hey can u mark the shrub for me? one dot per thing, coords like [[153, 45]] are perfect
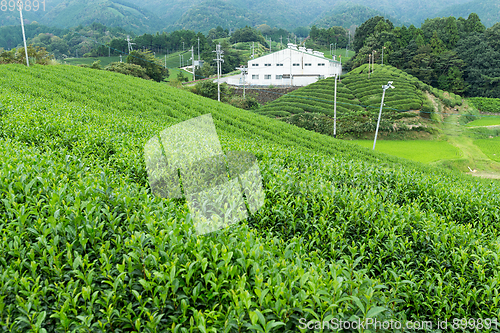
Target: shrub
[[208, 88], [154, 67], [247, 103], [127, 69], [36, 55]]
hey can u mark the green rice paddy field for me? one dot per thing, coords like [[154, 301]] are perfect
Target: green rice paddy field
[[485, 121], [490, 147], [416, 150]]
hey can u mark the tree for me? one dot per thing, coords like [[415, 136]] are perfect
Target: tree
[[483, 66], [366, 29], [208, 88], [154, 68], [36, 55], [493, 37], [456, 82], [127, 69], [451, 31], [437, 44], [419, 40], [247, 34], [473, 24]]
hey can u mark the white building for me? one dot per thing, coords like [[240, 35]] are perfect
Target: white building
[[291, 67]]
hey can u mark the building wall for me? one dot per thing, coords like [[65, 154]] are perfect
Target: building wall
[[290, 67]]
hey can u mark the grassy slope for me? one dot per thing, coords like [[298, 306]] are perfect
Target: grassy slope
[[344, 231], [416, 150]]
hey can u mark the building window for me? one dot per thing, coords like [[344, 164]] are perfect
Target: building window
[[279, 64], [267, 65], [255, 77], [321, 64], [279, 77], [255, 65], [296, 64], [307, 64], [267, 77]]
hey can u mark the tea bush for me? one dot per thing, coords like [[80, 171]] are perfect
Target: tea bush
[[345, 232]]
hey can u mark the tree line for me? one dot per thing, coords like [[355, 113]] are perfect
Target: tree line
[[457, 55]]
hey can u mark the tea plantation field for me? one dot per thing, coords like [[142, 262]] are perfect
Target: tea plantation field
[[359, 94], [345, 233]]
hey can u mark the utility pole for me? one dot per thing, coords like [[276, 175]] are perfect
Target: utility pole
[[244, 71], [335, 109], [369, 64], [121, 58], [219, 59], [389, 85], [182, 46], [198, 49], [20, 7], [192, 63], [349, 43], [129, 42], [373, 60]]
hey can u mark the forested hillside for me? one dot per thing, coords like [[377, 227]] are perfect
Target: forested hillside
[[202, 15], [349, 14], [457, 55], [487, 10]]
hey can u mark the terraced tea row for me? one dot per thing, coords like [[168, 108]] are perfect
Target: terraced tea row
[[344, 233]]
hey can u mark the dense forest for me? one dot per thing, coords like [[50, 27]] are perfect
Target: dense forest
[[457, 55]]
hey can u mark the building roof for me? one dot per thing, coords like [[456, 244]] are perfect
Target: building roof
[[304, 51]]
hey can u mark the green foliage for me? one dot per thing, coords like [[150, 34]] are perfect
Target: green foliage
[[490, 147], [96, 65], [365, 30], [483, 104], [208, 89], [247, 34], [127, 69], [325, 37], [11, 36], [247, 103], [358, 103], [36, 55], [345, 232], [181, 77], [153, 66], [347, 14], [451, 54]]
